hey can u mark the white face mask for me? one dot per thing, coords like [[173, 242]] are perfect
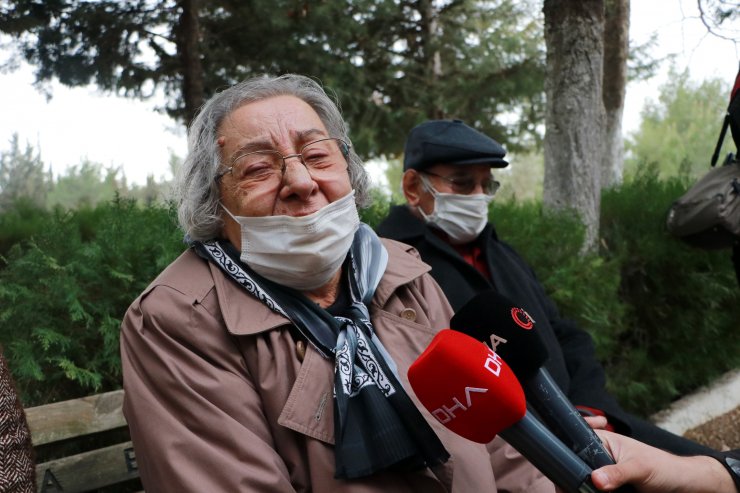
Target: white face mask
[[462, 217], [300, 252]]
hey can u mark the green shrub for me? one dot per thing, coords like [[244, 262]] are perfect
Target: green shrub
[[683, 303], [376, 212], [20, 221], [65, 290]]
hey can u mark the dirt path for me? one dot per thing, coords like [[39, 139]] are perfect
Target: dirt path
[[721, 433]]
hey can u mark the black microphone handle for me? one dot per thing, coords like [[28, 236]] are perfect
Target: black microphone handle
[[564, 420], [548, 454]]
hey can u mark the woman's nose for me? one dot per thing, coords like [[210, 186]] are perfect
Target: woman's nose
[[296, 178]]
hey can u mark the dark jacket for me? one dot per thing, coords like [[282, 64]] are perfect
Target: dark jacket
[[572, 361]]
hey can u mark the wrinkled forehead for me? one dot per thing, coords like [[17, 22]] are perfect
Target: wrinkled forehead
[[270, 114], [282, 123], [279, 120]]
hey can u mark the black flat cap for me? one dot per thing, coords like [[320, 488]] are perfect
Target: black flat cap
[[450, 142]]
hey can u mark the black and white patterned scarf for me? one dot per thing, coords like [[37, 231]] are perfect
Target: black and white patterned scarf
[[376, 424]]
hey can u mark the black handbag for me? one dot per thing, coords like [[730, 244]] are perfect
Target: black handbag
[[708, 214]]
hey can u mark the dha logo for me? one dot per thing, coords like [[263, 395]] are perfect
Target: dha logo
[[521, 318], [445, 414], [493, 363], [496, 340]]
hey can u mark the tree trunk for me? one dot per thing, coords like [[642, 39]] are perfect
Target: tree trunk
[[188, 46], [616, 49], [432, 57], [574, 118]]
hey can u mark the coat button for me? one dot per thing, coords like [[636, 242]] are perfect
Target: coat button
[[300, 350], [409, 314]]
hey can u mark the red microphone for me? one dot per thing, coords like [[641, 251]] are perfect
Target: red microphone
[[472, 391], [463, 404]]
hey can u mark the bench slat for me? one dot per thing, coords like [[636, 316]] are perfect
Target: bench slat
[[68, 419], [88, 470]]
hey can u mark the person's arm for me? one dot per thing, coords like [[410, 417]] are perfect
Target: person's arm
[[195, 416], [587, 389], [652, 470]]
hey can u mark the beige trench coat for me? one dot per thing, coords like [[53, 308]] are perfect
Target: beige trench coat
[[220, 399]]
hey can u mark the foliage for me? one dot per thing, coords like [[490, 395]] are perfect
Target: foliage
[[19, 221], [522, 180], [86, 184], [682, 303], [392, 63], [678, 132], [24, 183], [393, 173], [64, 290], [641, 63], [22, 176], [714, 13], [377, 211], [120, 46]]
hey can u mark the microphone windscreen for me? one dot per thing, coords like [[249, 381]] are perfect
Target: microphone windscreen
[[494, 319], [467, 387]]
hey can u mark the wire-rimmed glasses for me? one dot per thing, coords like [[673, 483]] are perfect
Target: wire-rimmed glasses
[[465, 185], [322, 158]]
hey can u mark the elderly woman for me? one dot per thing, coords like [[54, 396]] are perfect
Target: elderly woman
[[271, 356]]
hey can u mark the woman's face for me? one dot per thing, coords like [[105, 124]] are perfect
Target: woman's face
[[284, 124]]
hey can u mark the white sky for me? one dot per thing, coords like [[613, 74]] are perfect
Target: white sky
[[82, 122], [680, 32]]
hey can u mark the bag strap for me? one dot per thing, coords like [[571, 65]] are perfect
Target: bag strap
[[722, 133], [734, 94]]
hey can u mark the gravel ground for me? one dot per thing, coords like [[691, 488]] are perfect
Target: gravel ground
[[721, 433]]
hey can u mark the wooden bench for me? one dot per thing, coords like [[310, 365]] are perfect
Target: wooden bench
[[62, 424]]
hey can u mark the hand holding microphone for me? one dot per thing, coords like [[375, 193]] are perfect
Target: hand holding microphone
[[471, 390]]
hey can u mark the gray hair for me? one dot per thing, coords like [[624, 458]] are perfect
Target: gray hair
[[196, 190]]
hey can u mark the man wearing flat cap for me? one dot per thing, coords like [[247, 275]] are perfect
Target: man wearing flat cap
[[448, 186]]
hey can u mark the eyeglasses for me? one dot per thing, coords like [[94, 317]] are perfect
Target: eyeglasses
[[322, 158], [465, 185]]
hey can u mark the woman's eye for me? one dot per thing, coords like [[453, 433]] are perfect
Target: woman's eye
[[315, 157], [255, 165], [256, 172]]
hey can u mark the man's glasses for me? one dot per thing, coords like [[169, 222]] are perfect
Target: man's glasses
[[322, 158], [465, 185]]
